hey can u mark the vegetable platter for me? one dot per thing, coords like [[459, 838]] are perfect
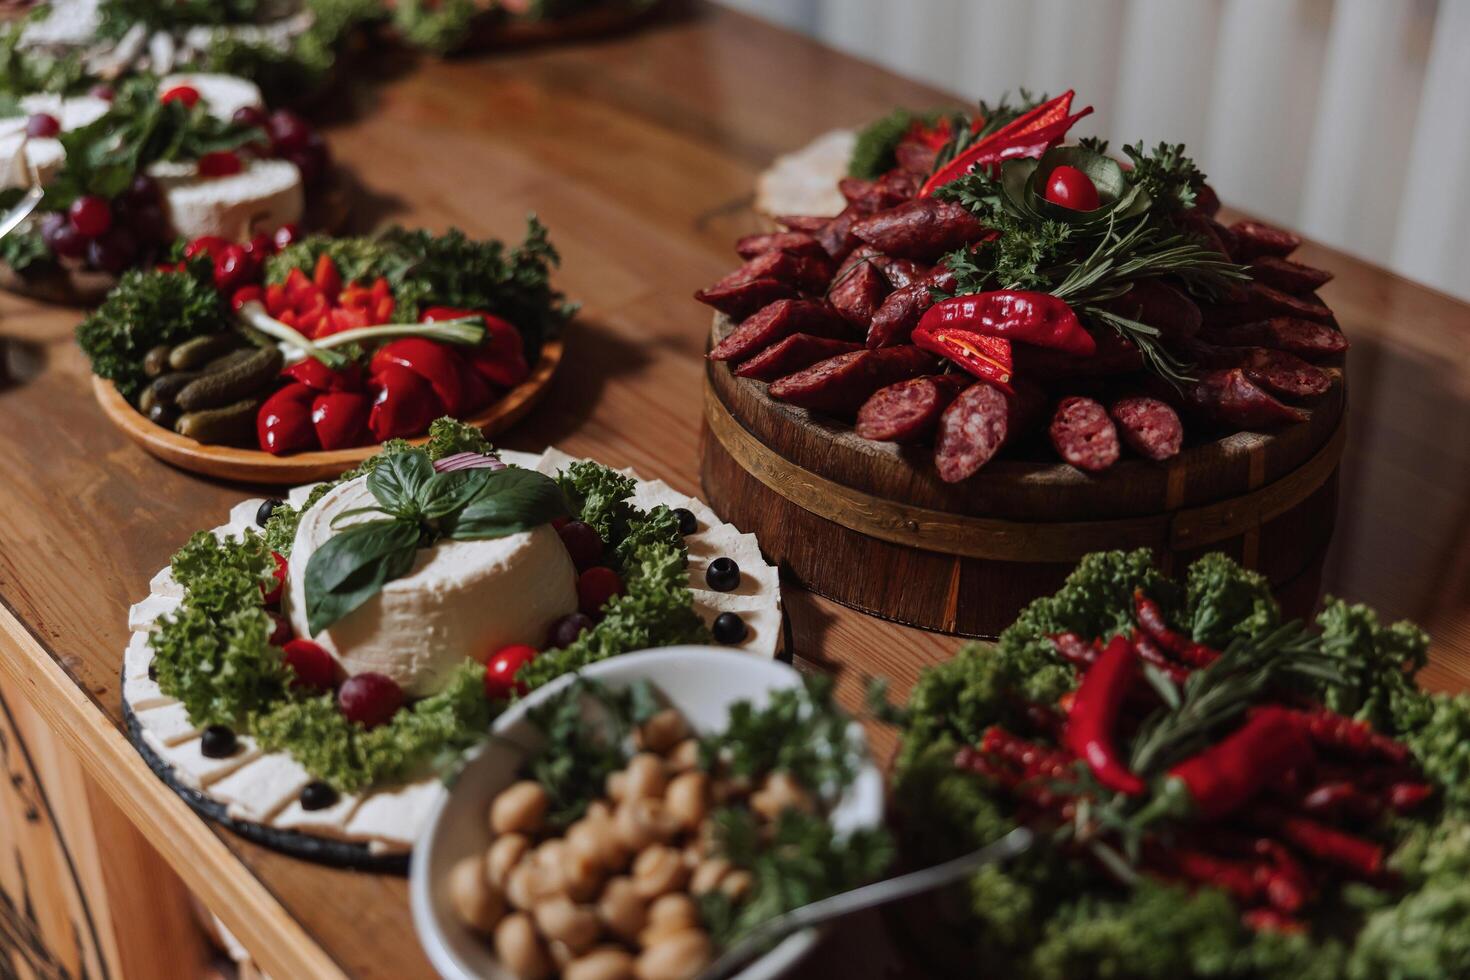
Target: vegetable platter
[[291, 360], [1222, 792], [309, 671], [1005, 352]]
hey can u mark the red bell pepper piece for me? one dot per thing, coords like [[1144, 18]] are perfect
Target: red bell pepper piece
[[1230, 773], [1093, 720], [986, 357], [477, 392], [1027, 135], [276, 300], [299, 288], [283, 424], [340, 418], [404, 406], [317, 376], [326, 277], [501, 358], [429, 360], [1039, 319]]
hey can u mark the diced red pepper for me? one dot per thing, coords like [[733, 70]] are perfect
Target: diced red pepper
[[283, 424], [340, 418], [988, 358], [298, 287], [276, 300], [404, 406], [429, 360], [1016, 315], [477, 392]]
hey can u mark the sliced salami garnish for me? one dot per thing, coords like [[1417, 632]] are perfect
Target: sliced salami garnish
[[1225, 396], [840, 385], [1295, 336], [792, 354], [780, 241], [977, 424], [924, 229], [1256, 238], [908, 411], [1083, 434], [776, 321], [1288, 276], [1148, 426]]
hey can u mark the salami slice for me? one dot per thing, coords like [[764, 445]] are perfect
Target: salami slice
[[901, 272], [1288, 276], [924, 229], [977, 424], [1149, 427], [1285, 374], [780, 241], [836, 235], [908, 411], [840, 385], [800, 350], [1256, 238], [1206, 200], [776, 321], [1300, 337], [1083, 434], [765, 279], [741, 299], [857, 292], [1225, 396]]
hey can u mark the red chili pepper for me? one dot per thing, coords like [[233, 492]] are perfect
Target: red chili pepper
[[1271, 920], [987, 358], [1078, 652], [1408, 797], [1028, 135], [1349, 736], [283, 424], [1237, 878], [1039, 319], [404, 406], [1229, 774], [340, 418], [1281, 875], [1339, 798], [1094, 717], [272, 595], [431, 361], [1355, 854], [1151, 618], [326, 277], [1149, 653], [1034, 760], [317, 376]]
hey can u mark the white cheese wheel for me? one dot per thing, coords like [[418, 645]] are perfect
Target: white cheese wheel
[[265, 194], [805, 181], [461, 599]]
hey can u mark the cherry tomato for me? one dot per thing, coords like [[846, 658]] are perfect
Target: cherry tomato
[[273, 594], [91, 215], [1071, 188], [501, 670], [233, 268], [369, 699], [595, 586], [312, 664], [280, 630]]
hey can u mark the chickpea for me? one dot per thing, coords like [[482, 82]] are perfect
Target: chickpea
[[685, 756], [520, 949], [693, 855], [663, 731], [529, 882], [621, 909], [597, 840], [686, 799], [617, 785], [780, 792], [673, 911], [479, 904], [641, 822], [709, 874], [562, 920], [561, 953], [730, 788], [658, 871], [737, 884], [646, 776], [581, 874], [678, 956], [603, 963], [598, 810], [503, 856], [519, 808]]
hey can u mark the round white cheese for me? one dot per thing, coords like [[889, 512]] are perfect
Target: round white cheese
[[265, 194], [461, 599], [805, 181]]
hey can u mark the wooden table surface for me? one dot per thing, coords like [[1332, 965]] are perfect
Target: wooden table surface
[[639, 152]]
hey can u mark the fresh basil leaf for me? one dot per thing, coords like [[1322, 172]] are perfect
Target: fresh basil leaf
[[397, 481], [352, 567], [444, 493], [510, 501]]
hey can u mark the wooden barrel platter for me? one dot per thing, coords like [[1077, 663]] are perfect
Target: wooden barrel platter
[[872, 526]]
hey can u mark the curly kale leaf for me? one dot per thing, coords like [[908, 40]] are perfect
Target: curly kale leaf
[[1422, 937], [1224, 600], [1377, 663], [872, 153], [1441, 743], [600, 496], [1169, 177], [146, 309], [954, 702], [439, 27]]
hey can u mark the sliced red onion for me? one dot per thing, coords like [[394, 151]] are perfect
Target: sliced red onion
[[468, 461]]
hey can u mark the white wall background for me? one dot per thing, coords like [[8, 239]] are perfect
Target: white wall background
[[1346, 119]]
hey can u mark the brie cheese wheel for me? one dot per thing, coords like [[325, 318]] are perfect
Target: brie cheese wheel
[[461, 598], [264, 194], [805, 182]]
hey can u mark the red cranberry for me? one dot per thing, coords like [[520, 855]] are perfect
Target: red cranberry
[[278, 574], [61, 237], [187, 94], [288, 131], [221, 163], [287, 234], [501, 670], [280, 629], [103, 92], [583, 543], [595, 586], [42, 125], [249, 115], [113, 250], [143, 190], [91, 215], [313, 666], [564, 631], [369, 699]]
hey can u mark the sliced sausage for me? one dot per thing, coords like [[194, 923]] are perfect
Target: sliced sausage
[[1261, 302], [1225, 396], [977, 424], [1300, 337], [1256, 238], [915, 157], [836, 235], [1083, 434], [857, 292], [809, 223], [901, 272], [1285, 374], [1206, 200], [1149, 427], [779, 241], [902, 310], [840, 385], [741, 299], [800, 350], [776, 321], [908, 411], [767, 278], [1205, 228], [1288, 276], [1160, 305], [924, 229]]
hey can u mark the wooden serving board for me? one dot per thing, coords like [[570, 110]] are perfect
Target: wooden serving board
[[257, 466], [871, 525]]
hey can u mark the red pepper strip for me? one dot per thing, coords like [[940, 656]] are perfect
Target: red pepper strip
[[1407, 797], [1046, 114], [1078, 652], [1149, 653], [1349, 736], [1229, 774], [316, 375], [1094, 716], [1033, 318], [501, 359], [340, 417], [1270, 920], [987, 358], [1034, 760], [1151, 618], [1355, 854]]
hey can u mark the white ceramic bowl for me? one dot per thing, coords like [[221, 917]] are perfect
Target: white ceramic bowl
[[702, 682]]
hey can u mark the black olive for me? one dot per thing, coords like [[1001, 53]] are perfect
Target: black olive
[[152, 671], [564, 631], [164, 415], [688, 523], [218, 742], [723, 575], [266, 510], [729, 628], [317, 796]]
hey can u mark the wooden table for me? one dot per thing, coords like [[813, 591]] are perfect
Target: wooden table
[[639, 153]]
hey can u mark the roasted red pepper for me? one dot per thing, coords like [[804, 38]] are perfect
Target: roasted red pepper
[[1093, 721], [405, 404], [434, 362], [340, 418], [501, 358], [987, 358], [1039, 319], [1227, 775], [1151, 618], [1026, 136], [317, 376], [283, 424]]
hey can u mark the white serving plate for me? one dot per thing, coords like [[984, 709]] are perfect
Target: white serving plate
[[702, 682]]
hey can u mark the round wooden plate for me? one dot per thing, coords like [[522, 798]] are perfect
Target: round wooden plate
[[257, 466]]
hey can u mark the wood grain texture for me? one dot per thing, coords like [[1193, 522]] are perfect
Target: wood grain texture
[[640, 153], [258, 466]]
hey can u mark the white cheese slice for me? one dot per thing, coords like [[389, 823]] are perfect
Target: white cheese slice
[[805, 181], [757, 579], [142, 693], [264, 787], [19, 153], [512, 457], [224, 95], [137, 656], [196, 770], [553, 461], [327, 822], [762, 619], [144, 615], [264, 194], [298, 495], [165, 584], [169, 724], [396, 816]]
